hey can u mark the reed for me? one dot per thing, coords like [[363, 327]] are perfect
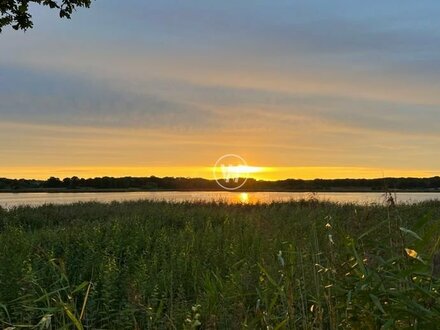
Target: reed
[[147, 265]]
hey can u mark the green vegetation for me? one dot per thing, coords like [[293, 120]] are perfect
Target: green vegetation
[[140, 265], [16, 13], [172, 183]]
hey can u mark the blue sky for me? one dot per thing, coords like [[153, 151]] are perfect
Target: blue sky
[[295, 84]]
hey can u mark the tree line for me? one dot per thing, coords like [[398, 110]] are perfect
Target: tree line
[[173, 183]]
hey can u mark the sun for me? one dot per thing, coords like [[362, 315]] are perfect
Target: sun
[[245, 169], [238, 169]]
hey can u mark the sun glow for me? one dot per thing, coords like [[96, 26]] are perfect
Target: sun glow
[[254, 172], [244, 198], [244, 169], [238, 171]]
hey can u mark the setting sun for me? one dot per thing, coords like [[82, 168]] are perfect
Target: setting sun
[[239, 169]]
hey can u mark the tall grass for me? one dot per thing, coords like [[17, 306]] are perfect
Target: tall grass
[[148, 265]]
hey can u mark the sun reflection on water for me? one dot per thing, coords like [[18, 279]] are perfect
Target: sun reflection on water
[[244, 198]]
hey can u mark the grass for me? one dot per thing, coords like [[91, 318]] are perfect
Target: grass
[[154, 265]]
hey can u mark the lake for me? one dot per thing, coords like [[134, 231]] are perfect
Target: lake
[[8, 200]]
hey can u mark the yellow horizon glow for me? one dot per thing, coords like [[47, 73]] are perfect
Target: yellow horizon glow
[[245, 169], [238, 171], [256, 172]]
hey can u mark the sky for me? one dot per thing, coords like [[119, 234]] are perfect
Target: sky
[[304, 89]]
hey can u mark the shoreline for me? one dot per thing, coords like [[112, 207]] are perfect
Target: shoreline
[[79, 191]]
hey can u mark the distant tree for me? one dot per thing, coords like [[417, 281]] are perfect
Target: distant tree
[[66, 183], [16, 12], [53, 182], [74, 182]]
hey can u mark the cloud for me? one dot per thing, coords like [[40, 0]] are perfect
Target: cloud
[[294, 83], [48, 97]]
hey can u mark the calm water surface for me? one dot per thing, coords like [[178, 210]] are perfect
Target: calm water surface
[[8, 200]]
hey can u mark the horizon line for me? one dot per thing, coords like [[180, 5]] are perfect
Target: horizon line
[[266, 173], [212, 179]]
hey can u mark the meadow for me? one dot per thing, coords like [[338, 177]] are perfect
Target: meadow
[[157, 265]]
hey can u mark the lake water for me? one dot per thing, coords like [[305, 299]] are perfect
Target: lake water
[[8, 200]]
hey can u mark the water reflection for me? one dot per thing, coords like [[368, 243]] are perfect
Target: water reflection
[[244, 198], [34, 199]]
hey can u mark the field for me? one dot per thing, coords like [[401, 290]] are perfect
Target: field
[[154, 265]]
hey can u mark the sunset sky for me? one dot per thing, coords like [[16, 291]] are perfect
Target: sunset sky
[[303, 88]]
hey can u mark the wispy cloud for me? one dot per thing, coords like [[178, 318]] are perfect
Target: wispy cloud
[[284, 83]]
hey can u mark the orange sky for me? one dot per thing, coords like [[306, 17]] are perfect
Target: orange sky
[[349, 90], [266, 173]]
